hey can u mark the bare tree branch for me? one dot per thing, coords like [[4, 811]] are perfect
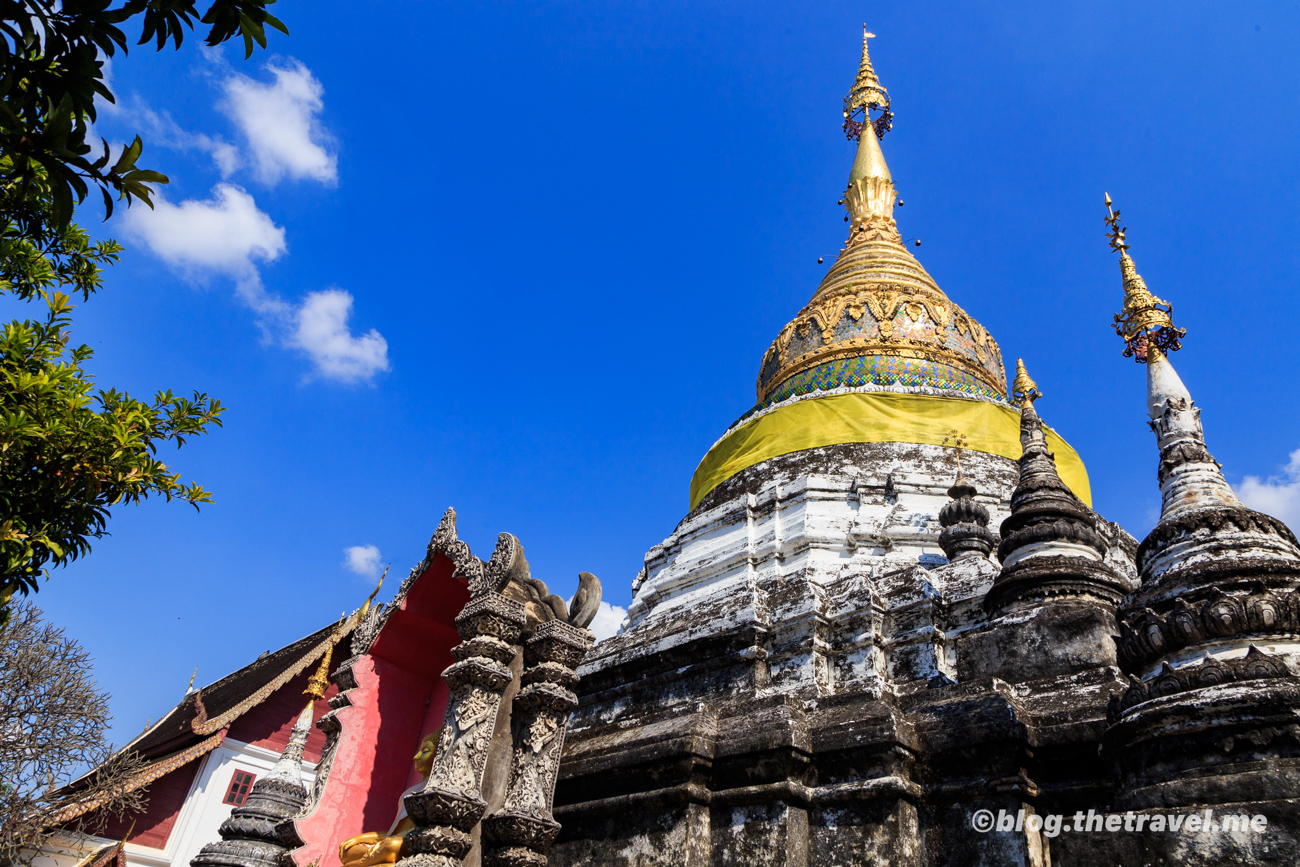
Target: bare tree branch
[[52, 724]]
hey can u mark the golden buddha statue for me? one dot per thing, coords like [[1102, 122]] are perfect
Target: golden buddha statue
[[372, 848]]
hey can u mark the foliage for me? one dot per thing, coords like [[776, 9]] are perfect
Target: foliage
[[51, 74], [62, 258], [68, 451], [52, 724]]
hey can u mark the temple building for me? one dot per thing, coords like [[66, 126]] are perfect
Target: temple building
[[890, 629], [205, 754]]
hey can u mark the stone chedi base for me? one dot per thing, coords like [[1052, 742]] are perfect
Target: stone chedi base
[[812, 715]]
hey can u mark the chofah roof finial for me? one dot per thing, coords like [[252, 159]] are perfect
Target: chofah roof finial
[[866, 94], [365, 608], [1146, 322]]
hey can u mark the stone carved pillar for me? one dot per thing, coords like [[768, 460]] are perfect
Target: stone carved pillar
[[520, 832], [451, 803]]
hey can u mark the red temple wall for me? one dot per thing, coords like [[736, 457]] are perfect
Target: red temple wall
[[400, 697], [432, 721], [166, 798], [270, 723]]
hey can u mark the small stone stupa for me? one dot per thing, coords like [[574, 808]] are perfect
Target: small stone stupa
[[249, 838]]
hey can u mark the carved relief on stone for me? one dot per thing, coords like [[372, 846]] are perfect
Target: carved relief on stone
[[451, 803], [1147, 636], [506, 603], [1211, 671], [521, 831]]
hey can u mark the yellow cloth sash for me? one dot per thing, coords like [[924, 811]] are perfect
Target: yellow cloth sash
[[878, 417]]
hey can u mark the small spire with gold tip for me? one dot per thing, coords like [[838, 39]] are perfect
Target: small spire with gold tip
[[1146, 322], [866, 94], [869, 197], [1024, 391], [319, 681]]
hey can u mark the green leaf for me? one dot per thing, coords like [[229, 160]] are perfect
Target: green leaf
[[129, 155]]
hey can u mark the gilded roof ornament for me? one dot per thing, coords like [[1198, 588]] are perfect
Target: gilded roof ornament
[[365, 608], [1146, 322], [319, 681], [1024, 391], [866, 94]]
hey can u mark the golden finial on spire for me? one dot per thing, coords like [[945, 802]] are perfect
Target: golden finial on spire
[[1024, 391], [870, 195], [319, 681], [866, 94], [1117, 242], [189, 688], [1146, 323]]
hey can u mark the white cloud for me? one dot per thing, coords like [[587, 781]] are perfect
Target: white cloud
[[279, 121], [223, 234], [608, 620], [228, 234], [160, 129], [321, 330], [1278, 495], [362, 559]]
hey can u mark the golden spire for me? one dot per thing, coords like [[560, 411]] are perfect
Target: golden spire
[[1024, 391], [320, 678], [866, 94], [190, 688], [870, 159], [1146, 322], [319, 681]]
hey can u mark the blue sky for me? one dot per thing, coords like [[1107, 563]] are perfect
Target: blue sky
[[524, 258]]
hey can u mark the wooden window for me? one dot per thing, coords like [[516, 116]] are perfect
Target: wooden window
[[240, 783]]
